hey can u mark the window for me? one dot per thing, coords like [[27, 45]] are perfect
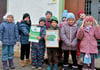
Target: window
[[88, 7]]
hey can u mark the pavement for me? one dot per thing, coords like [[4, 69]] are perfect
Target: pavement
[[29, 67]]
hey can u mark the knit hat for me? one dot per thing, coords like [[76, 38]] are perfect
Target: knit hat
[[53, 18], [65, 13], [7, 14], [42, 19], [89, 18], [26, 15], [48, 12], [80, 12], [70, 15]]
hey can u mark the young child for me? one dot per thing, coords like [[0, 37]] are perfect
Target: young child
[[48, 15], [8, 37], [88, 33], [53, 52], [68, 36], [37, 49], [24, 29], [63, 19], [81, 15], [62, 22]]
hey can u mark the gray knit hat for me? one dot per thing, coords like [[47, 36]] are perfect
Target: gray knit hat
[[42, 19]]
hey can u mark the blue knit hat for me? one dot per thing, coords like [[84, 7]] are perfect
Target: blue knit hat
[[65, 13], [70, 15]]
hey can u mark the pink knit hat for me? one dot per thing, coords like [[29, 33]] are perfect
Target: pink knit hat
[[89, 18], [80, 12]]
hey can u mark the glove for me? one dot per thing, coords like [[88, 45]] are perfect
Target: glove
[[0, 43], [18, 44]]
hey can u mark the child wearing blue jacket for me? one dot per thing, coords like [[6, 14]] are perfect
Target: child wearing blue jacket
[[8, 38], [37, 49]]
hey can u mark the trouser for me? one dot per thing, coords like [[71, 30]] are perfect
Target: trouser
[[37, 55], [25, 51], [7, 52], [52, 56], [66, 57]]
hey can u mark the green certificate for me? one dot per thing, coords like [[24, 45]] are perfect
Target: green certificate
[[34, 33], [52, 38]]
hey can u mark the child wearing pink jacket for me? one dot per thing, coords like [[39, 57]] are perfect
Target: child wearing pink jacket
[[88, 33]]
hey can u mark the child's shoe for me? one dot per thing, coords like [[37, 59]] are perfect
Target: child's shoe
[[39, 68], [22, 63], [28, 61], [49, 67], [5, 66], [55, 67], [33, 67], [65, 67], [75, 68], [84, 68], [11, 64]]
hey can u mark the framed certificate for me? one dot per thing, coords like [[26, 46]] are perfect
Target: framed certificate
[[34, 33], [52, 38]]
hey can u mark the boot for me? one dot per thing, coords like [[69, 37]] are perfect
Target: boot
[[11, 64], [55, 67], [49, 67], [22, 63], [5, 66], [28, 61]]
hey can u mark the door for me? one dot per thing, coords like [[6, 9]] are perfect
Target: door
[[74, 6], [3, 9]]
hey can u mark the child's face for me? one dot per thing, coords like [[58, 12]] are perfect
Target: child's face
[[64, 18], [9, 18], [82, 16], [42, 23], [70, 21], [27, 19], [48, 16], [88, 23], [54, 23]]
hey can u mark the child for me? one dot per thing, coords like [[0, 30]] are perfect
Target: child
[[52, 52], [88, 35], [81, 15], [24, 29], [63, 19], [37, 49], [62, 22], [8, 37], [48, 15], [68, 36]]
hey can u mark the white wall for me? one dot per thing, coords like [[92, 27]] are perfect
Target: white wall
[[36, 8]]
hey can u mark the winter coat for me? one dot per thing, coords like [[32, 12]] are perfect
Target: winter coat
[[41, 43], [79, 22], [24, 29], [47, 24], [68, 36], [9, 33], [89, 42]]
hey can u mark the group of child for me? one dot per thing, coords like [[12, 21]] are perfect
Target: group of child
[[78, 38]]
